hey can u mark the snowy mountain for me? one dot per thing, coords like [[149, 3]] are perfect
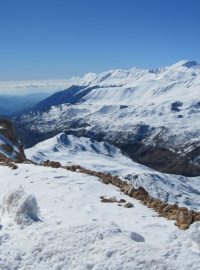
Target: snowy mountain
[[151, 115], [9, 144], [55, 216]]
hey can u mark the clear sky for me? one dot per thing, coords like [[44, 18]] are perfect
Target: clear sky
[[52, 39]]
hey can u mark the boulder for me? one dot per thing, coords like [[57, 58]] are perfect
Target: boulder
[[128, 205]]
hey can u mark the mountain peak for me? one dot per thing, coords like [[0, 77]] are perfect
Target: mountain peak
[[186, 63]]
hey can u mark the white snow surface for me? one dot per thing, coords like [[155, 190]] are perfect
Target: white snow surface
[[101, 156], [20, 208], [78, 232], [167, 99], [73, 229]]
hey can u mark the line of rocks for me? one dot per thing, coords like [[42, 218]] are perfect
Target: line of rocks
[[183, 217]]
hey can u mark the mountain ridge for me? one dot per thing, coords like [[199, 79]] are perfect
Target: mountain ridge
[[146, 113]]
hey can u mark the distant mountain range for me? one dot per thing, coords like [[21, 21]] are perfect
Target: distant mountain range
[[80, 183], [153, 116]]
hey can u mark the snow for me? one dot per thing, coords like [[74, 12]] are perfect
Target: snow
[[194, 236], [122, 100], [20, 207], [68, 225], [84, 151], [79, 232], [101, 156]]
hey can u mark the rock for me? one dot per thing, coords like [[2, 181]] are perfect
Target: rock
[[53, 164], [109, 200], [183, 209], [122, 201], [137, 237], [128, 205], [168, 208], [142, 191], [196, 216], [172, 216], [10, 147], [126, 188], [185, 217], [184, 226], [131, 191]]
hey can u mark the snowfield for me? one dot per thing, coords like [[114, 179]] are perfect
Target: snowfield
[[101, 156], [77, 231]]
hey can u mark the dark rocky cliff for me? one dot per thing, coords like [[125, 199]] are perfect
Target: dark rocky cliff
[[10, 147]]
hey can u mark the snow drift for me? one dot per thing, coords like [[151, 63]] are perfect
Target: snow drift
[[20, 207], [194, 236]]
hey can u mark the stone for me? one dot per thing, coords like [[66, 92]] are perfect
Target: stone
[[184, 226], [122, 201], [128, 205], [185, 217], [142, 191], [109, 200]]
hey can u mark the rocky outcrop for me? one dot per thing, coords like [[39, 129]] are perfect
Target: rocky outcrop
[[162, 159], [10, 147]]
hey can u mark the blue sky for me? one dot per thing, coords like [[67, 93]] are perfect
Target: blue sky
[[50, 39]]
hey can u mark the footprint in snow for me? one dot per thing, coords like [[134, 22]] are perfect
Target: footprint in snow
[[58, 177], [80, 183], [89, 208]]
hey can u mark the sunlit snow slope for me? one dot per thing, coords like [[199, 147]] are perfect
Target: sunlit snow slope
[[101, 156], [152, 115], [78, 232]]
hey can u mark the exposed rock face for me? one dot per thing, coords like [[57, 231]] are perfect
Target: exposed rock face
[[10, 147], [53, 164]]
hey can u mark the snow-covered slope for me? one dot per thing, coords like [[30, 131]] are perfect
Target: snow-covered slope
[[78, 232], [140, 111], [101, 156], [85, 151], [9, 144]]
